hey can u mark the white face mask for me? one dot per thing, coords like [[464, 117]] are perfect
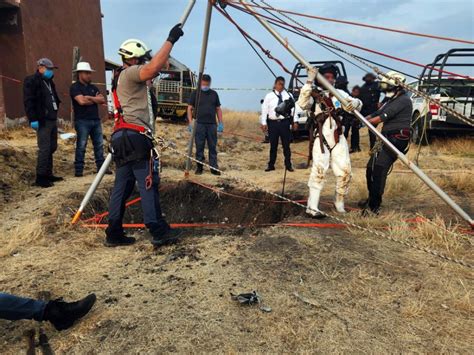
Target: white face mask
[[390, 93]]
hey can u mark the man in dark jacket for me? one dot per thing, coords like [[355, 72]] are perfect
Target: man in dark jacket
[[41, 106], [395, 115], [370, 97]]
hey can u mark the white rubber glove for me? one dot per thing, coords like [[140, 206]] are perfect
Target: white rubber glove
[[351, 105]]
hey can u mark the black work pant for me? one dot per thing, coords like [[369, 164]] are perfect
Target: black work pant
[[47, 136], [206, 133], [352, 125], [279, 130], [378, 167]]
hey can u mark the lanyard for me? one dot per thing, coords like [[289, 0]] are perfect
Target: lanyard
[[48, 85]]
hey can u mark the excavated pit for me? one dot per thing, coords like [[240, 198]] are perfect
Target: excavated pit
[[186, 202]]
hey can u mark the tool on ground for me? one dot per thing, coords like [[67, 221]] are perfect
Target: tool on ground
[[108, 159], [324, 83], [249, 299]]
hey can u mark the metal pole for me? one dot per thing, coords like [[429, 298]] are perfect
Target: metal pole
[[90, 192], [430, 183], [205, 38], [108, 160], [186, 13]]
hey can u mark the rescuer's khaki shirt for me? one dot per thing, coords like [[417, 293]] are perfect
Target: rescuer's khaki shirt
[[133, 96]]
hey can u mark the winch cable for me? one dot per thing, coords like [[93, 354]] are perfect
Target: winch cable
[[374, 68], [332, 49], [305, 29], [353, 23], [245, 34], [327, 47], [164, 144]]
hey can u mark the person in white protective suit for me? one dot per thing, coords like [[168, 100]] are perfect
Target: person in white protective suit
[[330, 145]]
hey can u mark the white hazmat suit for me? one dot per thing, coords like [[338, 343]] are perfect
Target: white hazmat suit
[[338, 156]]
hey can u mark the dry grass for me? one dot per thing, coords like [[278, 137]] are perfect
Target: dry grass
[[368, 294]]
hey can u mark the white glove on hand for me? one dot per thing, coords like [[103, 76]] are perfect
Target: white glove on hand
[[312, 74], [351, 105]]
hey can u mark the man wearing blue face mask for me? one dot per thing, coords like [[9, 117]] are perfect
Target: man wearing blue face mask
[[41, 103], [207, 126]]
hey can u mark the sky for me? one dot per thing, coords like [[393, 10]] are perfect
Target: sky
[[232, 63]]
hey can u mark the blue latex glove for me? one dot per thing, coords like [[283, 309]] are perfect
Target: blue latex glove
[[34, 125], [190, 127], [220, 127]]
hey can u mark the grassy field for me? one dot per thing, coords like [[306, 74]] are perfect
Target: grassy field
[[330, 290]]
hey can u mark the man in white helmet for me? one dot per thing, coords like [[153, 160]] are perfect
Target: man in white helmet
[[395, 115], [132, 149], [330, 145]]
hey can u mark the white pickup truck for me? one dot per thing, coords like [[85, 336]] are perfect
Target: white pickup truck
[[452, 91]]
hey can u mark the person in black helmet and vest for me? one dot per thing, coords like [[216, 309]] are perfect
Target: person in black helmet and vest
[[131, 143], [395, 114]]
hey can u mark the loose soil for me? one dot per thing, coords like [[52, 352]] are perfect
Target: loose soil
[[330, 290]]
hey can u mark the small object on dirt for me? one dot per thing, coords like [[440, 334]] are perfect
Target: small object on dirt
[[44, 343], [250, 299], [66, 136], [128, 295], [444, 306], [111, 300], [30, 341]]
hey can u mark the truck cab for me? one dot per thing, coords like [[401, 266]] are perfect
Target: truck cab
[[173, 88], [456, 92]]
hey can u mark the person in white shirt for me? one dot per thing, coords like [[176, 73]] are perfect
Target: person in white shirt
[[278, 124], [330, 145]]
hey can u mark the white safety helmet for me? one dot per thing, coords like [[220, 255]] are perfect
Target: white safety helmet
[[390, 81], [134, 48]]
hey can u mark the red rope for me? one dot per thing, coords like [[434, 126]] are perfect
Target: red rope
[[459, 40], [245, 34], [283, 23]]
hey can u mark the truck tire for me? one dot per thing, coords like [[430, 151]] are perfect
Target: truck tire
[[417, 127]]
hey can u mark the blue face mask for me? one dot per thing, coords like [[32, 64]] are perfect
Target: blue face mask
[[48, 74], [205, 88]]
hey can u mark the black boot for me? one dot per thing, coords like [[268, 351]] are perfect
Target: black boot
[[55, 178], [115, 239], [43, 181], [198, 170], [171, 237], [63, 314]]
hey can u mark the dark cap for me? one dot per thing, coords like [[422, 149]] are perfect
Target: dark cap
[[46, 62], [369, 74]]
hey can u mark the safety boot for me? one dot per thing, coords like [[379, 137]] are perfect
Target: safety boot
[[63, 314], [170, 237], [199, 170], [116, 239], [339, 204], [43, 181], [55, 178]]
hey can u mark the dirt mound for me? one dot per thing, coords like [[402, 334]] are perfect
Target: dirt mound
[[17, 171]]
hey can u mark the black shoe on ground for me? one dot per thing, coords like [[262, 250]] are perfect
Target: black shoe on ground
[[78, 174], [63, 314], [55, 178], [363, 203], [198, 170], [290, 169], [171, 237], [354, 150], [43, 181], [215, 172], [270, 168], [114, 241]]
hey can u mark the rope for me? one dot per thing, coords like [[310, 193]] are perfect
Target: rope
[[353, 23], [305, 29], [168, 145], [378, 71]]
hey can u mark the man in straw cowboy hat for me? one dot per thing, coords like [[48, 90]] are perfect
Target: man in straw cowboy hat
[[86, 99]]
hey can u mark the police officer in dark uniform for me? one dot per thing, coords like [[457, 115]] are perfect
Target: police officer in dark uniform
[[132, 148], [370, 97], [395, 115]]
